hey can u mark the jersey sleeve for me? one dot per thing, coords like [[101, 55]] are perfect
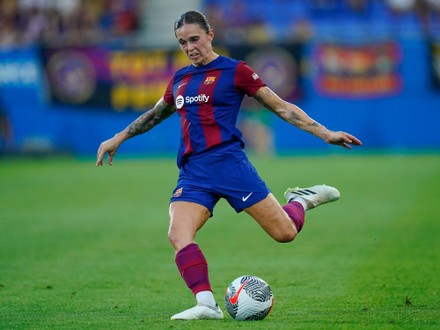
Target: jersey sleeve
[[168, 96], [247, 80]]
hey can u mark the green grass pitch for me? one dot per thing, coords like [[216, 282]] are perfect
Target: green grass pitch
[[86, 248]]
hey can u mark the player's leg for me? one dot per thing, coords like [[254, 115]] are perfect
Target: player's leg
[[272, 217], [186, 218], [275, 220]]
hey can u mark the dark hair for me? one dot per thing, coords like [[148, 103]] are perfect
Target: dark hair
[[192, 17]]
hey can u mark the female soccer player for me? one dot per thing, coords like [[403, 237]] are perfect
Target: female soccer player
[[212, 163]]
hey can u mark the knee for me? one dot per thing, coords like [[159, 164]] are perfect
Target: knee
[[285, 237], [174, 239], [178, 241], [171, 237]]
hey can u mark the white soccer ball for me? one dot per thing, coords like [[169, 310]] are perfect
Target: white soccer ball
[[248, 298]]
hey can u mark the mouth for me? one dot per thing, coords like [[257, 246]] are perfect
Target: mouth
[[193, 56]]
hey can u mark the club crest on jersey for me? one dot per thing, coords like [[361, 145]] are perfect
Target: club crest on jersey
[[178, 192], [209, 80]]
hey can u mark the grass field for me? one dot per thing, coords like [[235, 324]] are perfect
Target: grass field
[[86, 248]]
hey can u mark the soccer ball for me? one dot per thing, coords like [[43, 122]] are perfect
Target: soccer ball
[[248, 298]]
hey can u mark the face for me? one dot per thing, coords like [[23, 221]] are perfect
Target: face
[[196, 43]]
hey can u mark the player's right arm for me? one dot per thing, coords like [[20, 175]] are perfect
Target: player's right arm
[[142, 124], [297, 117]]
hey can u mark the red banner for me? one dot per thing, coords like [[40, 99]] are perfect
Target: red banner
[[357, 71]]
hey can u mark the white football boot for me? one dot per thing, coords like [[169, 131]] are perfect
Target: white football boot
[[313, 196], [199, 312]]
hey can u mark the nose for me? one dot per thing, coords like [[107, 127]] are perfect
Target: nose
[[190, 46]]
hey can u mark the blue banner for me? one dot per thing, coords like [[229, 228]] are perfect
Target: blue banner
[[20, 68]]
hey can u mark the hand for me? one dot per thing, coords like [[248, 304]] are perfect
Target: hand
[[110, 147], [342, 139]]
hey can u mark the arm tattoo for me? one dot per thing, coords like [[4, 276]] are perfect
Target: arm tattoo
[[271, 101], [294, 118], [151, 118], [289, 112]]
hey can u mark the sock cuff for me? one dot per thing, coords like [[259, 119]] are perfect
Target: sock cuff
[[296, 212], [202, 287]]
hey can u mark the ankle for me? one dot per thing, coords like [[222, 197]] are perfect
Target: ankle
[[206, 298]]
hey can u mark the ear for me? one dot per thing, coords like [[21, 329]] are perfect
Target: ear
[[211, 35]]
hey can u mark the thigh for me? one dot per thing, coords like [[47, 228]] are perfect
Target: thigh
[[237, 180], [194, 186], [186, 218], [273, 219]]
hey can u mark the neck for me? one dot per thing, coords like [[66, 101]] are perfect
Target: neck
[[209, 59]]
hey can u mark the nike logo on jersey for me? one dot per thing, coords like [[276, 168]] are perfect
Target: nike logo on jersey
[[245, 198], [233, 300]]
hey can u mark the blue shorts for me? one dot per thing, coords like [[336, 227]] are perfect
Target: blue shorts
[[223, 172]]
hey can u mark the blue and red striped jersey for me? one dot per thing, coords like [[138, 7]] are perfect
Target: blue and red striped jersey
[[208, 100]]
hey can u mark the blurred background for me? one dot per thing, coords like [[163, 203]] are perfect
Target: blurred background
[[74, 72]]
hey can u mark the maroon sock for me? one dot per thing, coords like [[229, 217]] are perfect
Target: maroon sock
[[193, 267], [296, 212]]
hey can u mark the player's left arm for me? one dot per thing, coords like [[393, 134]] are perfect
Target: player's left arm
[[297, 117]]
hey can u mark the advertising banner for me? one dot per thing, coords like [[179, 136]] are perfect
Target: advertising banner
[[130, 79], [279, 66], [19, 69], [361, 71], [109, 79]]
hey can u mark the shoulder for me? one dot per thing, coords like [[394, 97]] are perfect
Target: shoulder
[[183, 71], [240, 66], [228, 62], [246, 79]]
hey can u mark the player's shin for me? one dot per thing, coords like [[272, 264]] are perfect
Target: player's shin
[[193, 268]]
